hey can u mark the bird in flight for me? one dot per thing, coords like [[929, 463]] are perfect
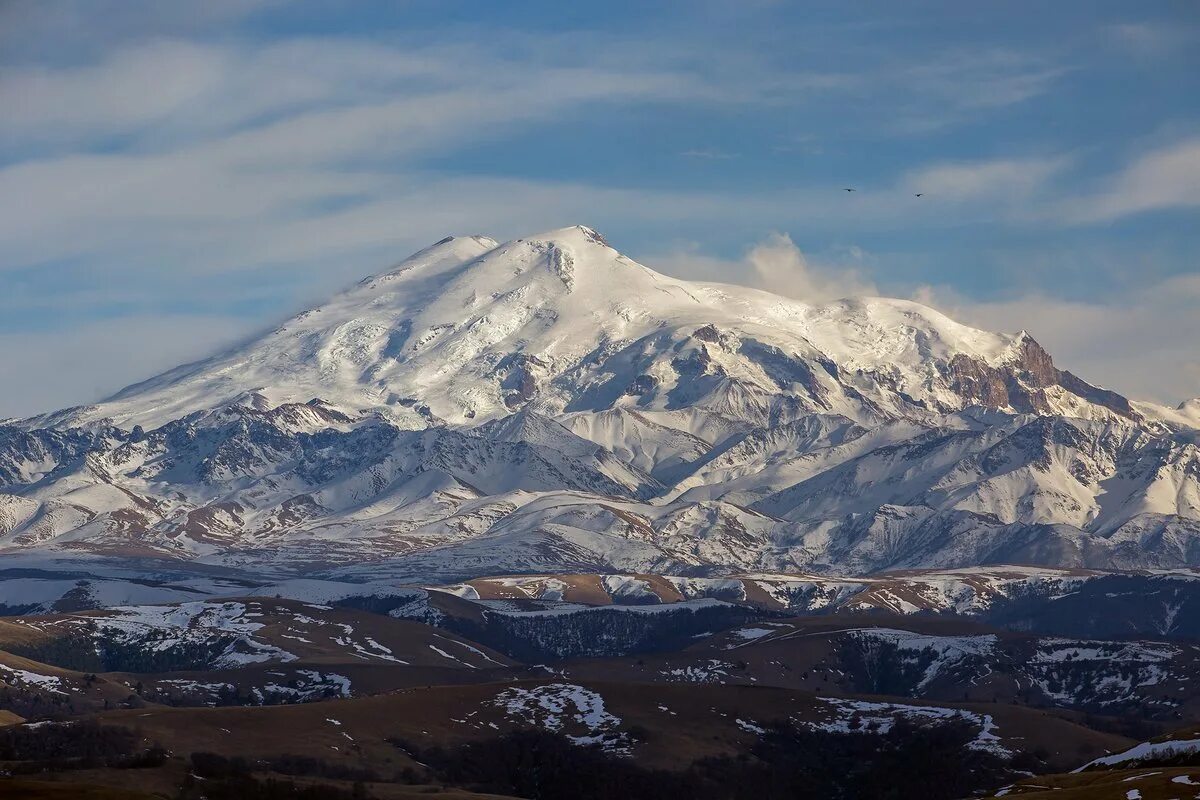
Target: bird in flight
[[852, 190], [918, 194]]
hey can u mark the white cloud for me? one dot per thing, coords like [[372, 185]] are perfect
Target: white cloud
[[983, 78], [132, 88], [775, 265], [199, 90], [261, 141], [241, 152], [975, 180], [1167, 177], [778, 266], [709, 154], [280, 192], [80, 28]]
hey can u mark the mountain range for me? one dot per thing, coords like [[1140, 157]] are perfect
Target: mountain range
[[549, 405]]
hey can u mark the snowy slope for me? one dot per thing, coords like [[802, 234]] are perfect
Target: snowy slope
[[468, 330], [549, 404]]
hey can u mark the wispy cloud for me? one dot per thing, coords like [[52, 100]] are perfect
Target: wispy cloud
[[993, 179], [130, 89], [961, 85], [709, 154], [285, 142], [778, 266], [83, 28], [1163, 178]]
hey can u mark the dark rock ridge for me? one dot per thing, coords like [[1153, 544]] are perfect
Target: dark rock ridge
[[1021, 383]]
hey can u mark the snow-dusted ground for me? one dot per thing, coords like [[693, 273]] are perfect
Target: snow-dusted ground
[[1143, 751], [162, 628], [751, 634], [1106, 673], [294, 686], [1054, 650], [563, 707], [307, 685], [27, 678], [861, 716], [711, 671]]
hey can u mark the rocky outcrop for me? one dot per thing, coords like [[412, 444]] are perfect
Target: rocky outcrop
[[1021, 382]]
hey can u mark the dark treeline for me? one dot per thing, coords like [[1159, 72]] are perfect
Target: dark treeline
[[36, 704], [217, 777], [596, 632], [908, 762], [877, 666], [248, 787], [1112, 606], [92, 651], [214, 765], [52, 746], [787, 763]]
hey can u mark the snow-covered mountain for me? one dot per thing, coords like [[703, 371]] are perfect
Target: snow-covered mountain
[[548, 404]]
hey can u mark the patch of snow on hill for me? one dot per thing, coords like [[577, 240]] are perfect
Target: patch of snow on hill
[[561, 707], [711, 671], [1143, 752], [861, 716], [1106, 673], [628, 589], [162, 628], [24, 677]]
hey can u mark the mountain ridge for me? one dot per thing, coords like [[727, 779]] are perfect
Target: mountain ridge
[[361, 344], [548, 403]]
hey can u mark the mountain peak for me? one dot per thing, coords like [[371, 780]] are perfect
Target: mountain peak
[[573, 235], [549, 400], [470, 329]]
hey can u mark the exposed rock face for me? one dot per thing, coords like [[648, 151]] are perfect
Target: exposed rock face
[[1021, 383], [522, 377], [1101, 397], [642, 384]]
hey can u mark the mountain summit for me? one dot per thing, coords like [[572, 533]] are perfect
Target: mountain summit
[[548, 404], [468, 330]]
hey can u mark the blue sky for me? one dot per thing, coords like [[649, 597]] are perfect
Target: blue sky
[[174, 176]]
